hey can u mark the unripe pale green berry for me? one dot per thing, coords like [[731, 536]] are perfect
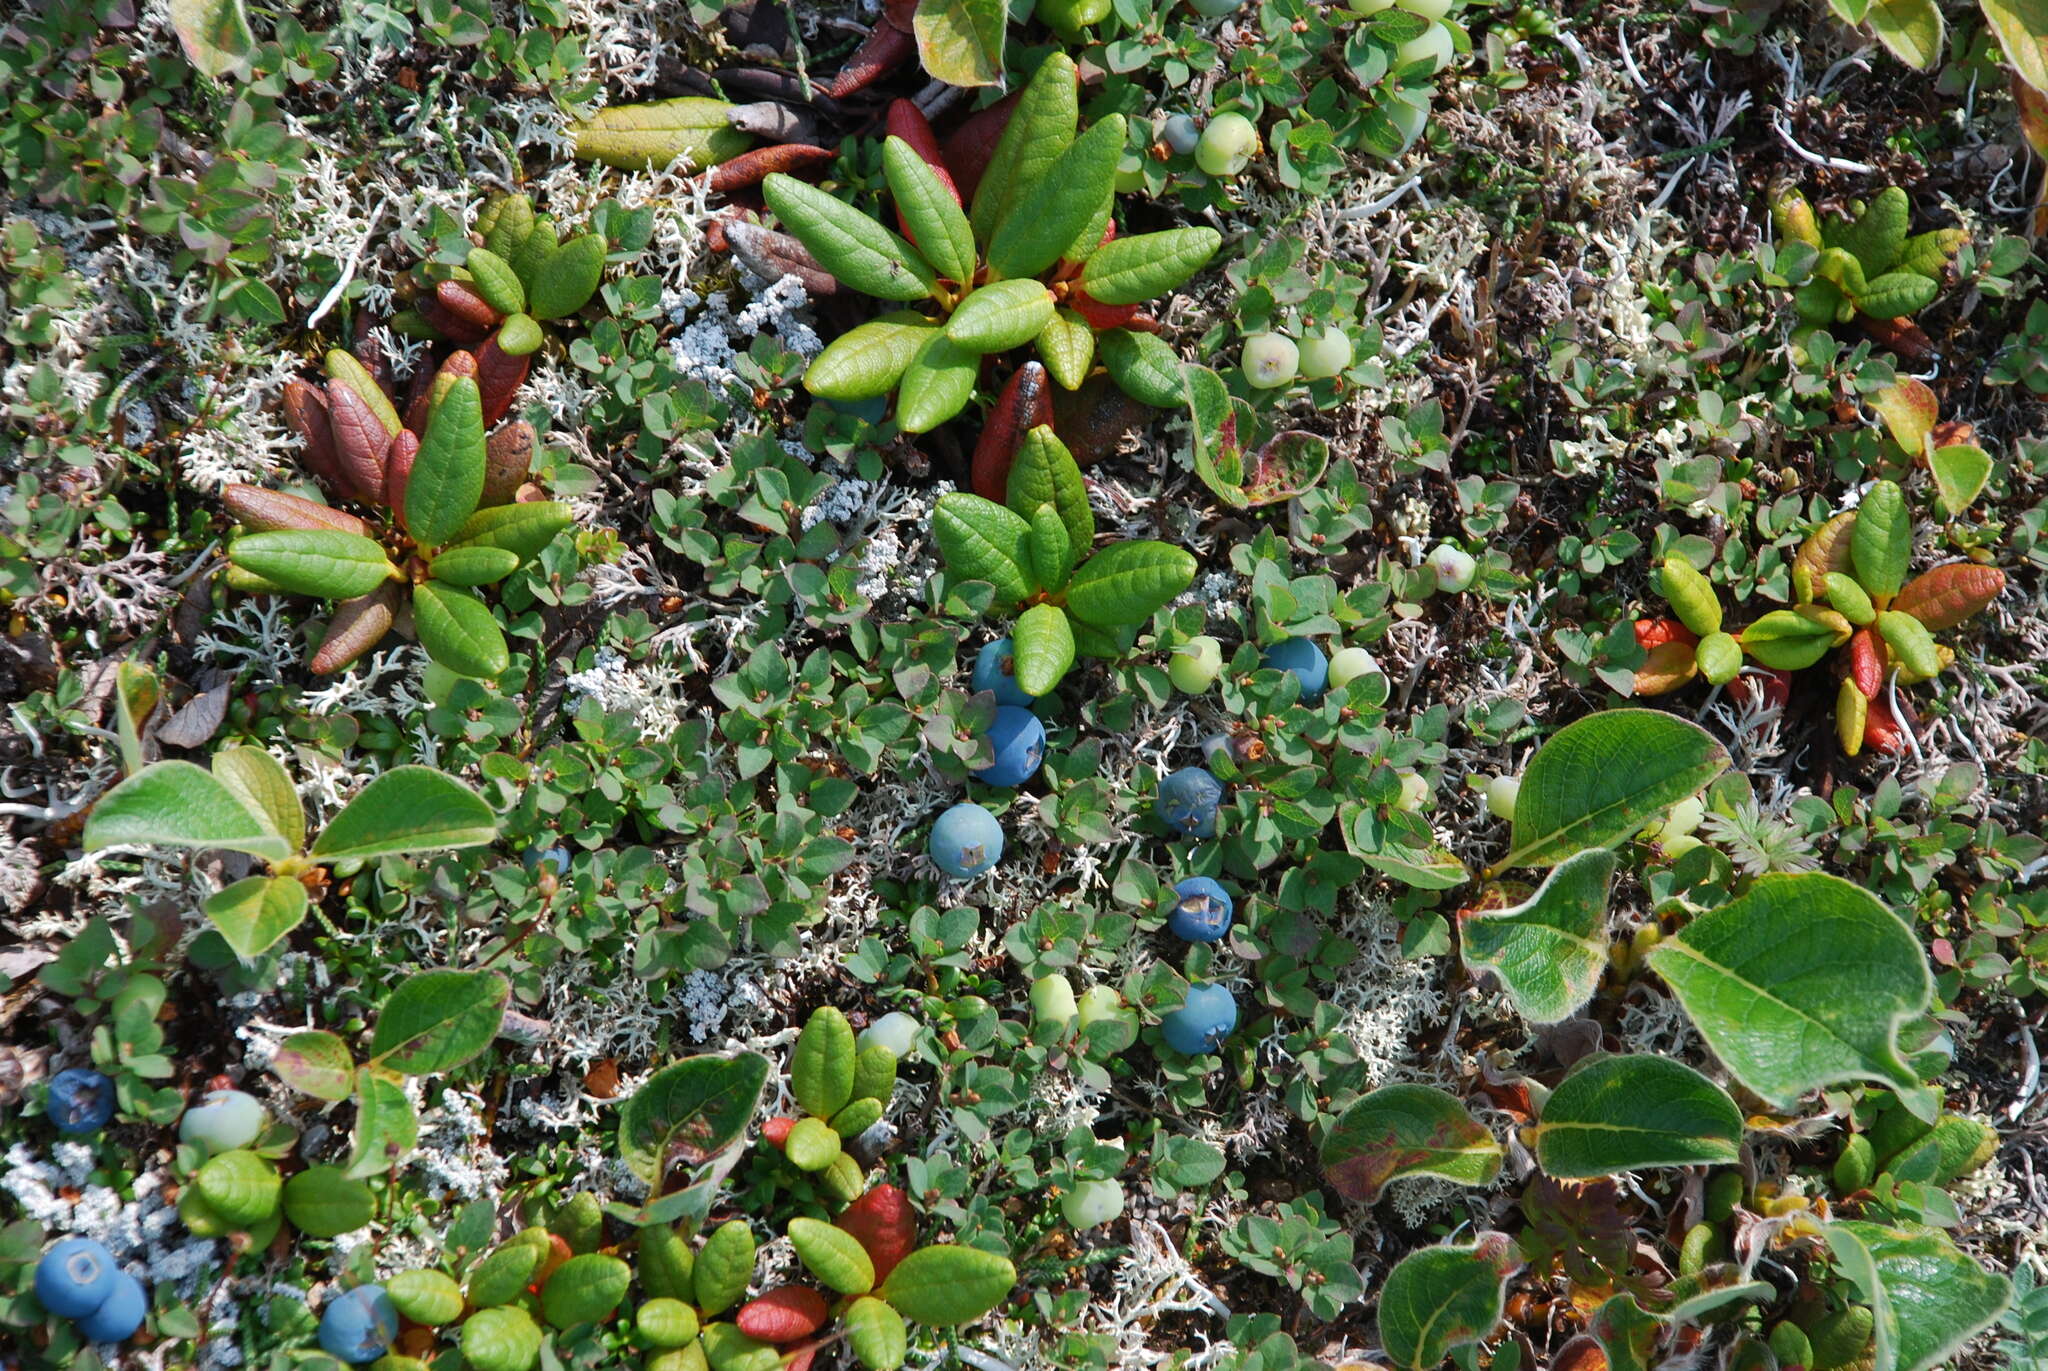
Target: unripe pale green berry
[[1195, 664], [1325, 353], [1501, 793], [1674, 848], [1407, 119], [1414, 790], [1099, 1002], [1052, 1001], [1685, 816], [1454, 568], [1130, 173], [1092, 1203], [1270, 359], [1347, 664], [1228, 144], [895, 1030], [1364, 7], [1432, 45], [1428, 9]]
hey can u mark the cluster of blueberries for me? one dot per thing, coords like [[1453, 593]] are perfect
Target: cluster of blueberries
[[77, 1279], [967, 840]]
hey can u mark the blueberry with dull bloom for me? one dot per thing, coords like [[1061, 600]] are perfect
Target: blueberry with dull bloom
[[1202, 1022], [1202, 910], [1301, 658], [1018, 739], [75, 1277], [1187, 802], [359, 1326], [995, 668], [119, 1314], [966, 841]]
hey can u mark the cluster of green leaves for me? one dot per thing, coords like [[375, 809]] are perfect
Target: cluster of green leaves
[[1868, 266], [1038, 551], [1029, 261]]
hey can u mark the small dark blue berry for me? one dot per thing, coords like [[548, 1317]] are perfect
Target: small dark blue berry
[[1201, 910], [81, 1100], [995, 668], [1019, 742], [1187, 802]]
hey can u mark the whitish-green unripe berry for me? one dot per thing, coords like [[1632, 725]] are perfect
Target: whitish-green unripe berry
[[1130, 173], [1099, 1002], [1428, 9], [1454, 568], [1052, 1001], [1092, 1203], [895, 1030], [1685, 816], [1325, 353], [1270, 359], [1674, 848], [1432, 45], [1414, 790], [1195, 664], [1347, 664], [1228, 144], [1501, 794], [1364, 7]]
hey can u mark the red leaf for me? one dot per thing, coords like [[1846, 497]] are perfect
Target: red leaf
[[884, 1224], [784, 1314], [498, 377], [776, 1131], [1024, 404], [751, 168], [360, 442], [885, 49], [968, 147]]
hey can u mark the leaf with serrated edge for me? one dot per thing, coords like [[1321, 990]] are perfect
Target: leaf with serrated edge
[[177, 804], [1406, 1130], [1928, 1298], [1551, 950], [1616, 1114], [1603, 777], [408, 809], [1802, 983]]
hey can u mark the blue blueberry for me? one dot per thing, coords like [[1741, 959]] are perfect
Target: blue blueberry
[[359, 1326], [1306, 661], [1187, 802], [119, 1314], [1019, 742], [74, 1277], [1201, 910], [556, 857], [966, 841], [81, 1100], [995, 668], [1202, 1022]]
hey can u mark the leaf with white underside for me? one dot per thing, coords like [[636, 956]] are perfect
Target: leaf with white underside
[[1803, 983], [1615, 1114], [1928, 1298], [1406, 1130], [1550, 950]]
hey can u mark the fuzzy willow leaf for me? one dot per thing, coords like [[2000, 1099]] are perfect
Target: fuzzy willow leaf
[[1040, 129], [1602, 778], [316, 1062], [1129, 271], [1143, 365], [387, 1126], [261, 784], [1800, 984], [1000, 316], [1406, 1130], [1052, 214], [177, 804], [214, 33], [1126, 583], [689, 1112], [1044, 473], [458, 631], [853, 247], [1441, 1298], [869, 359], [1960, 471], [931, 212], [1615, 1114], [1928, 1298], [983, 541], [437, 1020], [407, 809], [1043, 643], [253, 913], [448, 473], [1549, 951], [949, 1284], [325, 562], [936, 385], [1881, 543], [1876, 236]]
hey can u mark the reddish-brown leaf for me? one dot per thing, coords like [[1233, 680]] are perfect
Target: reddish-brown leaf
[[267, 511], [784, 1314], [1866, 657], [883, 1222], [467, 303], [968, 147], [1669, 665], [398, 469], [1100, 315], [906, 121], [305, 409], [498, 377], [1946, 595], [751, 168], [774, 255], [1652, 634], [884, 49], [508, 456], [360, 441], [448, 323], [1093, 420], [1881, 730], [357, 626], [1024, 403]]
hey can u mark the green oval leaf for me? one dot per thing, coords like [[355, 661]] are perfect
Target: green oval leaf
[[437, 1020], [725, 1267], [1550, 950], [1442, 1298], [936, 385], [1126, 583], [1928, 1298], [821, 1068], [458, 630], [323, 1203], [407, 809], [1787, 640], [476, 565], [1067, 347], [938, 227], [1044, 473], [503, 1275], [585, 1289], [1039, 130], [1800, 984], [215, 35], [1615, 1114], [868, 360], [960, 42], [949, 1284], [876, 1333], [853, 247], [428, 1297], [726, 1348], [1143, 365], [240, 1186], [1059, 208], [688, 1112], [317, 1063], [1881, 543], [1960, 471], [448, 471], [177, 804], [1603, 777], [982, 541], [387, 1126], [1052, 550], [253, 913], [833, 1255], [1043, 644], [496, 281], [565, 279], [651, 135], [1406, 1130], [501, 1339], [323, 562], [1000, 316], [264, 788], [522, 529], [1130, 271]]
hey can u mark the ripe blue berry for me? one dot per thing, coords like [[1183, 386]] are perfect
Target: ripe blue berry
[[1201, 910], [1187, 802], [995, 668], [74, 1277], [1019, 742], [966, 841], [555, 857], [1306, 661], [119, 1314], [1202, 1022], [81, 1100], [359, 1326]]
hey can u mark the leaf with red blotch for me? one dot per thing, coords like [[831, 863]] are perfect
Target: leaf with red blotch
[[884, 1224], [1025, 403]]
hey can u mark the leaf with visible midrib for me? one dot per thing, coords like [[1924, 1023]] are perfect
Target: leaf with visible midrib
[[177, 804], [1406, 1130], [1927, 1296], [1443, 1297], [949, 1284], [322, 562], [1126, 583], [448, 471], [262, 785], [214, 33], [960, 42], [1550, 950], [387, 1126], [253, 913], [407, 809], [1800, 984], [1602, 778], [1615, 1114], [982, 541], [437, 1020], [1043, 640], [689, 1111]]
